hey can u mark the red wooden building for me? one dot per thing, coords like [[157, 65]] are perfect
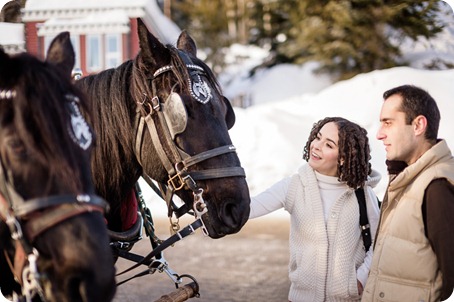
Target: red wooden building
[[103, 32]]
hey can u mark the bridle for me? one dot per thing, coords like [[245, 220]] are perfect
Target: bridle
[[170, 117], [27, 219], [154, 114], [45, 213]]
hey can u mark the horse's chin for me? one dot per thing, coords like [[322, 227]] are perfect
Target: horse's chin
[[227, 219], [217, 229], [214, 233]]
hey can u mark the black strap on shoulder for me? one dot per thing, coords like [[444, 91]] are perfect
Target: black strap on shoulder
[[363, 220]]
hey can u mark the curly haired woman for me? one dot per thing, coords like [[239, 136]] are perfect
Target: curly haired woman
[[328, 261]]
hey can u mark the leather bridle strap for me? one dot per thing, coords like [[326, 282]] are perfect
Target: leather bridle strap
[[208, 154], [40, 214], [52, 217], [175, 161], [180, 158], [22, 248], [41, 203]]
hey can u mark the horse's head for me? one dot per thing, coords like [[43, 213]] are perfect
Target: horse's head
[[51, 224], [192, 140]]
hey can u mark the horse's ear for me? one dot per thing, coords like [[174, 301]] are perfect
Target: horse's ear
[[61, 53], [152, 50], [186, 43], [230, 116]]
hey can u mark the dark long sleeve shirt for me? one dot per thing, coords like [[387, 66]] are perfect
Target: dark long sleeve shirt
[[438, 214]]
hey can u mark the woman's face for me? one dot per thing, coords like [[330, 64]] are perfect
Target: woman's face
[[324, 150]]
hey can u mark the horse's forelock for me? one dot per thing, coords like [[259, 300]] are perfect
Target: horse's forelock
[[41, 119], [183, 73], [210, 75], [142, 76]]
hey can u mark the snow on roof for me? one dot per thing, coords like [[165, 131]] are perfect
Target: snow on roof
[[39, 10], [40, 5], [59, 10], [12, 37], [11, 33], [115, 21]]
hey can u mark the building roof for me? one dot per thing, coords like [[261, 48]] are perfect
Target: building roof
[[115, 21], [38, 10], [60, 15]]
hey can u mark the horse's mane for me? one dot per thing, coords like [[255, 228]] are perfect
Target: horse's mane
[[42, 118], [113, 114], [113, 94]]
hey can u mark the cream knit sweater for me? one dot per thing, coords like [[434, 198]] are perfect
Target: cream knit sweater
[[326, 249]]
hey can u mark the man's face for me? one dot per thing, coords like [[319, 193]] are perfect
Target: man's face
[[397, 136]]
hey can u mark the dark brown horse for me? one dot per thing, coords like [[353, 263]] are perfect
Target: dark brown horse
[[163, 115], [54, 244]]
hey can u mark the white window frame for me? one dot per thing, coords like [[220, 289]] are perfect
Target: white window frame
[[75, 41], [91, 67], [116, 56]]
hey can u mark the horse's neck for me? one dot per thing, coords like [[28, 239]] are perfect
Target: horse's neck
[[114, 166]]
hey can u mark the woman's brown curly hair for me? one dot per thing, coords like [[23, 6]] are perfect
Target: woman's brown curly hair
[[353, 164]]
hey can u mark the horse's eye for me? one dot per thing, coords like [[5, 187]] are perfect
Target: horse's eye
[[16, 146]]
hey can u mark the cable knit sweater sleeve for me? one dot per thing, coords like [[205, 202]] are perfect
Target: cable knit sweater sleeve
[[270, 200]]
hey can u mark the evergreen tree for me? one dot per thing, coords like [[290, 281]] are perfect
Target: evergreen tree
[[355, 36], [206, 22], [347, 37]]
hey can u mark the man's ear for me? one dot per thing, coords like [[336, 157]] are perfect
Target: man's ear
[[420, 125]]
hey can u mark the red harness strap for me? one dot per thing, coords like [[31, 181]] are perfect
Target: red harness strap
[[129, 211]]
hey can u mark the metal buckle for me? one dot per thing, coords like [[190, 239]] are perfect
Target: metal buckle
[[14, 226], [200, 208], [155, 103], [176, 181]]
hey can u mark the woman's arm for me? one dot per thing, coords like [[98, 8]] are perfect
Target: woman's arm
[[270, 200]]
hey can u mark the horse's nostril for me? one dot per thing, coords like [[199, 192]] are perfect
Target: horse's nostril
[[232, 215]]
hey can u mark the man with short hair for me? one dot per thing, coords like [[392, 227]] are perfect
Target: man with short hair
[[414, 247]]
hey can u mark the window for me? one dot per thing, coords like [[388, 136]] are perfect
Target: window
[[113, 50], [76, 46], [94, 53]]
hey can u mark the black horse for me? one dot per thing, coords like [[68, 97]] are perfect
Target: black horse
[[163, 115], [54, 244]]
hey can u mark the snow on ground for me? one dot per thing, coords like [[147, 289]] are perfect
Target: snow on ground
[[289, 98], [270, 137]]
